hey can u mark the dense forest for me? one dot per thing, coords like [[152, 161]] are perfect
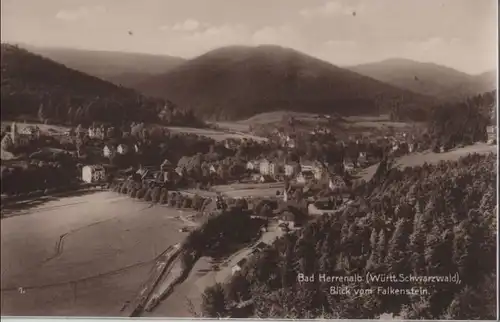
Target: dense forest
[[430, 220], [462, 123]]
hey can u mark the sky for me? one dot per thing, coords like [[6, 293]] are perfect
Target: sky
[[461, 34]]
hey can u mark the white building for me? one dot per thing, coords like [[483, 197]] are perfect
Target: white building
[[252, 165], [93, 173], [292, 169], [267, 167], [108, 151], [97, 133]]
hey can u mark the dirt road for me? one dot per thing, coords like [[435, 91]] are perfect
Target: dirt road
[[201, 277]]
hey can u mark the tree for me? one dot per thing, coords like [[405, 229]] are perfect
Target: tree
[[42, 113], [396, 253], [214, 302]]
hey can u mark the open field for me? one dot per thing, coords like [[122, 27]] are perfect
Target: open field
[[277, 116], [378, 122], [217, 135], [233, 126], [416, 159], [83, 255], [255, 190], [54, 129]]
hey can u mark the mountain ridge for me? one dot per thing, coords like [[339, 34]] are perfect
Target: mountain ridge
[[428, 78], [120, 68], [236, 82]]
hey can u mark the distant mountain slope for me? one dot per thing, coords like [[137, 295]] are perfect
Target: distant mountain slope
[[120, 68], [486, 80], [29, 80], [237, 82], [430, 79]]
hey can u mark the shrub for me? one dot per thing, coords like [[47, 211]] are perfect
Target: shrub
[[188, 203], [155, 195], [140, 193], [163, 196]]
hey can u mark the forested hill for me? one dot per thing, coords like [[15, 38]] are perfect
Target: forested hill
[[237, 82], [431, 220], [444, 83], [30, 82]]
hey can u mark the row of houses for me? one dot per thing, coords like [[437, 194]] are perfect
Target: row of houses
[[304, 170]]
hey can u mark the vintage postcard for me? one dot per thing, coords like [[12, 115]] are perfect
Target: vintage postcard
[[299, 159]]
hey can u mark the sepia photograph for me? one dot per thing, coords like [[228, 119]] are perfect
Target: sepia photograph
[[280, 159]]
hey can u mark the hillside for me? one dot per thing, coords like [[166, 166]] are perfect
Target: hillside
[[117, 67], [486, 80], [429, 79], [237, 82], [29, 80]]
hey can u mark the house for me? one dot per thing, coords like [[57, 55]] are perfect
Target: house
[[122, 149], [285, 196], [144, 172], [97, 132], [261, 246], [321, 207], [230, 144], [252, 165], [291, 169], [290, 142], [32, 131], [287, 218], [362, 157], [306, 166], [256, 177], [108, 151], [348, 165], [267, 167], [213, 168], [93, 173], [16, 138], [318, 171], [166, 165], [238, 266], [305, 176], [336, 183]]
